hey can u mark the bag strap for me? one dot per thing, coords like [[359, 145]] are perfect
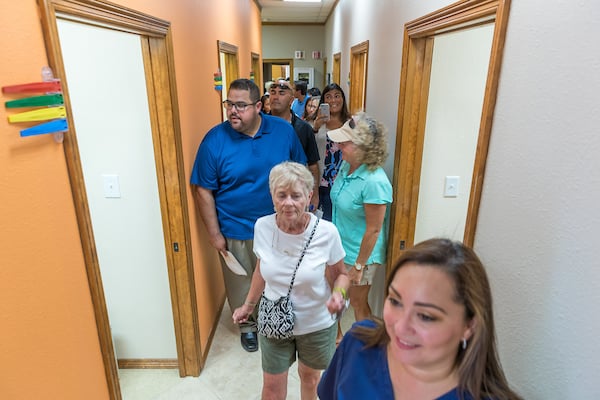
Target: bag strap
[[302, 254]]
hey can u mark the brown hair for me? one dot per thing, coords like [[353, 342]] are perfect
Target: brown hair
[[248, 85], [311, 117], [479, 369], [345, 114]]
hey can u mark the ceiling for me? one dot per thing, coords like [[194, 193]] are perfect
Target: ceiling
[[279, 11]]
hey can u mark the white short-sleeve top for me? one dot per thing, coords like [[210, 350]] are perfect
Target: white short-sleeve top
[[279, 252]]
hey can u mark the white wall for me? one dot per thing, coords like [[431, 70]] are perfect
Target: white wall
[[382, 23], [280, 41], [539, 221], [539, 225]]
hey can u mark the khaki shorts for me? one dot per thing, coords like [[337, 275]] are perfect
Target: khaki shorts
[[368, 273], [315, 350]]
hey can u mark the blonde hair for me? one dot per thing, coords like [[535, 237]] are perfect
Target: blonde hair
[[371, 141]]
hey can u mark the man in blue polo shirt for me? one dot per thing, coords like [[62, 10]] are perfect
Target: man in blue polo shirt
[[231, 178]]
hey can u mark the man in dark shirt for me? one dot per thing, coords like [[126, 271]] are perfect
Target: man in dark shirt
[[281, 95]]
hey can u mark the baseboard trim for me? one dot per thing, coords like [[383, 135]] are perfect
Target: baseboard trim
[[147, 363]]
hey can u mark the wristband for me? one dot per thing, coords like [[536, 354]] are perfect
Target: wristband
[[341, 291], [249, 303]]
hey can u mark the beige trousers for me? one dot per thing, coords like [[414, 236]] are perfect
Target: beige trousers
[[237, 286]]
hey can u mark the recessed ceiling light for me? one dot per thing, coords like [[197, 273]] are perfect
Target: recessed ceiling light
[[304, 1]]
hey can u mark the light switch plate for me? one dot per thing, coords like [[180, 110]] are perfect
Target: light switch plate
[[451, 186], [111, 186]]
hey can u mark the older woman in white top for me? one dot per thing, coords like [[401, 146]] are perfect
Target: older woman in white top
[[319, 289]]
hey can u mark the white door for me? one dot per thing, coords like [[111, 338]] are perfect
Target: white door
[[456, 91], [107, 89]]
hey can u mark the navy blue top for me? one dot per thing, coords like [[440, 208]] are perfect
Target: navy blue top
[[236, 168], [345, 378]]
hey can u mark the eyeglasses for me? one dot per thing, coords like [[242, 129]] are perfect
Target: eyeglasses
[[240, 106]]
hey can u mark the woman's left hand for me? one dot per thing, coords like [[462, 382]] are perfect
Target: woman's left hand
[[336, 303]]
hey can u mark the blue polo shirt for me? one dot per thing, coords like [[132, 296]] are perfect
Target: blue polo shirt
[[349, 194], [298, 106], [236, 168]]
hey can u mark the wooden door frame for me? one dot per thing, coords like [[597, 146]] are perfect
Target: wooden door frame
[[157, 51], [256, 69], [280, 61], [336, 72], [358, 76], [417, 54], [231, 69]]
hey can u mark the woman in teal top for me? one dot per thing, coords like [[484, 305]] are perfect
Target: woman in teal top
[[360, 195]]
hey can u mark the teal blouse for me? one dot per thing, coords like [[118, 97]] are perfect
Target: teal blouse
[[348, 196]]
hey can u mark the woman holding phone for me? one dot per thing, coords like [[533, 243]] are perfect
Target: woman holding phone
[[334, 101], [311, 109]]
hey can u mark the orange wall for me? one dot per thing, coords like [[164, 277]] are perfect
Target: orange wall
[[48, 341]]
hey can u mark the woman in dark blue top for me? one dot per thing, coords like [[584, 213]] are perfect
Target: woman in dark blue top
[[436, 339]]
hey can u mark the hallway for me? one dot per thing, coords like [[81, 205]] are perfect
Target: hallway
[[229, 373]]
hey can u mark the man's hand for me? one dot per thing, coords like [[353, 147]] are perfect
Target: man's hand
[[218, 242]]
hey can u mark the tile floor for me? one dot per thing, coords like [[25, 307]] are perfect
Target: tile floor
[[230, 372]]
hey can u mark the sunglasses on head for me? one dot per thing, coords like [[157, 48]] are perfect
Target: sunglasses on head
[[280, 85]]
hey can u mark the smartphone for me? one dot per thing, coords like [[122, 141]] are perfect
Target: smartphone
[[324, 111]]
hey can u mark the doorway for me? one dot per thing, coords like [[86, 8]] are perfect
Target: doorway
[[117, 160], [229, 67], [411, 144], [359, 62], [336, 74], [164, 147], [274, 68]]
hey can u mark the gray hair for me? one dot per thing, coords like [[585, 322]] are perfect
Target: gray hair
[[289, 173]]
